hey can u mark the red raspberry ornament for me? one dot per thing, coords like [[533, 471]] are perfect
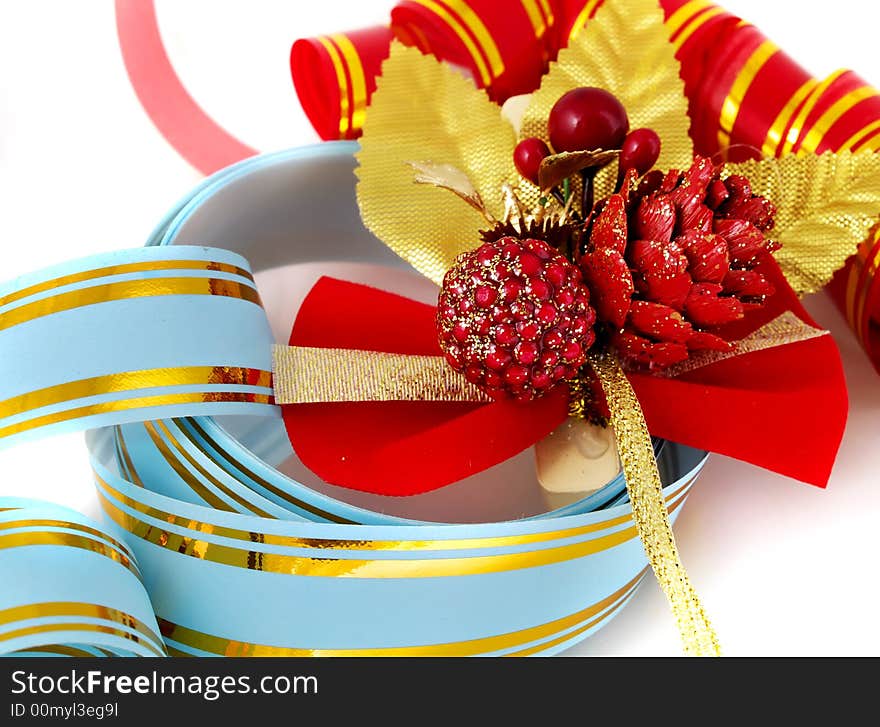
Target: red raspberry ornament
[[514, 317]]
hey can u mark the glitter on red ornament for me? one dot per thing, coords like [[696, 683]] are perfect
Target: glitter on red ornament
[[540, 323], [687, 262]]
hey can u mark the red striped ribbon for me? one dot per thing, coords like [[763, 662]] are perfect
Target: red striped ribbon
[[746, 95]]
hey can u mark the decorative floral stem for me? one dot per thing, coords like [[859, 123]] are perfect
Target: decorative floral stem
[[558, 195], [588, 178]]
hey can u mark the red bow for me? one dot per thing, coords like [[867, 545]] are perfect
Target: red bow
[[783, 408]]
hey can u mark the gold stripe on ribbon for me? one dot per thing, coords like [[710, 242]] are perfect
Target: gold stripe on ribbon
[[16, 524], [794, 131], [872, 144], [696, 23], [732, 104], [547, 11], [536, 17], [486, 645], [325, 565], [823, 124], [95, 628], [125, 457], [358, 107], [143, 288], [229, 460], [305, 375], [109, 407], [583, 16], [480, 32], [197, 486], [483, 52], [649, 509], [342, 83], [542, 647], [62, 609], [66, 540], [142, 267], [133, 381], [782, 330], [187, 523], [685, 14], [861, 137], [776, 132], [60, 650]]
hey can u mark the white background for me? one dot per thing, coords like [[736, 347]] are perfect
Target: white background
[[783, 568]]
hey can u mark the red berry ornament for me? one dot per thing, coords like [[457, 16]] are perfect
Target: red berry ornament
[[587, 118], [528, 155], [514, 317], [640, 150]]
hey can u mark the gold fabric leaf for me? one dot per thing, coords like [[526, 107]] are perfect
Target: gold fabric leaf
[[452, 178], [827, 206], [424, 111], [624, 49]]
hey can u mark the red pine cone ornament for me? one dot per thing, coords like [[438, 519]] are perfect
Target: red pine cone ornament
[[514, 317], [671, 262]]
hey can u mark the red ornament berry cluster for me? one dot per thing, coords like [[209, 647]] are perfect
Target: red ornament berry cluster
[[589, 118], [654, 270], [671, 262], [514, 317]]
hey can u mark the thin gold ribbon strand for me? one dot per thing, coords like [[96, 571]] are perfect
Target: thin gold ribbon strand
[[786, 328], [649, 512]]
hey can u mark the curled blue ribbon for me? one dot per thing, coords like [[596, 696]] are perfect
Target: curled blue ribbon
[[207, 547]]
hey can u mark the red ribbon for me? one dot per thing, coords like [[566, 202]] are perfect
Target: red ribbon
[[195, 135], [782, 408], [725, 64], [747, 97]]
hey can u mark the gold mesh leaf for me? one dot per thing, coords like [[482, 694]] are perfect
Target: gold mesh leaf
[[827, 206], [423, 111], [624, 49], [452, 178]]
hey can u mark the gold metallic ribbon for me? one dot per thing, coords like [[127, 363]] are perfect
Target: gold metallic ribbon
[[304, 375], [310, 375], [649, 509], [784, 329]]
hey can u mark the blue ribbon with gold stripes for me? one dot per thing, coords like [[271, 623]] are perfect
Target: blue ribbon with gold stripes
[[208, 546]]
